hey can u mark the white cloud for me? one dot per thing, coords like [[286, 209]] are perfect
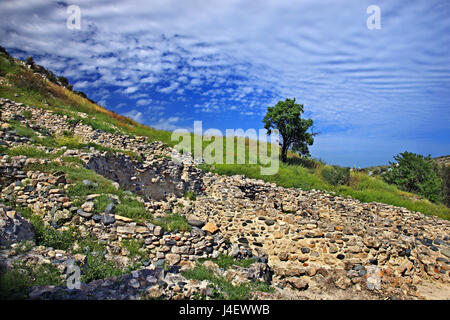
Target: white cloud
[[135, 115], [130, 90], [149, 79], [143, 102], [169, 88], [168, 124], [196, 82]]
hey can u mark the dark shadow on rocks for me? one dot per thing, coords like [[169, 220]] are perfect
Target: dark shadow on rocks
[[156, 182]]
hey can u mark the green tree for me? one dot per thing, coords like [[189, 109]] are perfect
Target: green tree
[[63, 81], [286, 117], [416, 173], [30, 61], [445, 172]]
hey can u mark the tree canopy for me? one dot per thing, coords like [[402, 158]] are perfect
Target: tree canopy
[[415, 173], [286, 117]]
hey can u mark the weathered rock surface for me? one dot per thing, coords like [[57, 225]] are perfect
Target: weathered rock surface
[[13, 227]]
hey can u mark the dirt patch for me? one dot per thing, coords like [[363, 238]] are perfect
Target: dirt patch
[[434, 291]]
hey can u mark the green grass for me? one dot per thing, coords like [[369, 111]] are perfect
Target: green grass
[[27, 114], [173, 222], [98, 267], [32, 152], [131, 154], [17, 281], [76, 174], [226, 262], [226, 290], [101, 203], [135, 248], [46, 235], [22, 130], [190, 195], [24, 246], [73, 160], [373, 189], [128, 206], [62, 101], [66, 139], [70, 142], [131, 208]]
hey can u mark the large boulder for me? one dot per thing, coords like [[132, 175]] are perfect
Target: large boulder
[[14, 227]]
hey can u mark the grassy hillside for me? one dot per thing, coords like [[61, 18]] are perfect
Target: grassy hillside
[[18, 82]]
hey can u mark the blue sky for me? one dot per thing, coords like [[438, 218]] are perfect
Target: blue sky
[[166, 63]]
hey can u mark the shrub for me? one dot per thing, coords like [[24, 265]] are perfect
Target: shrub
[[336, 175], [29, 61], [98, 267], [70, 142], [416, 173], [48, 236], [17, 281], [63, 81], [28, 82]]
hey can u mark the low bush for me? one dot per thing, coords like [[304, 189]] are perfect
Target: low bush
[[336, 175], [16, 282], [48, 236], [98, 267], [29, 82]]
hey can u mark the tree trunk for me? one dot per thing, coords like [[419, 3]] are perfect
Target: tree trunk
[[284, 149]]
